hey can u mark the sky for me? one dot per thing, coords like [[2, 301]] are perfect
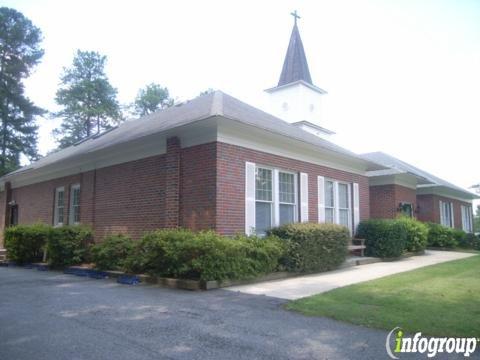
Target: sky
[[402, 77]]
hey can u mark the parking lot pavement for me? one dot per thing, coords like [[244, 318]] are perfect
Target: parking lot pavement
[[49, 315]]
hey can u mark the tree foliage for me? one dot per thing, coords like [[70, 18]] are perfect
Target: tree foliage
[[88, 99], [151, 98], [20, 52]]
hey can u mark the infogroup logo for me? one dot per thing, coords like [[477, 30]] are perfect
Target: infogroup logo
[[429, 345]]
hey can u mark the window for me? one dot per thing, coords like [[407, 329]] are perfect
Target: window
[[59, 206], [263, 200], [329, 202], [467, 218], [74, 204], [286, 183], [338, 203], [446, 213], [405, 209], [275, 198], [14, 215], [343, 205]]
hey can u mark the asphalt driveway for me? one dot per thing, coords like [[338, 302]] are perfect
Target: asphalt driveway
[[49, 315]]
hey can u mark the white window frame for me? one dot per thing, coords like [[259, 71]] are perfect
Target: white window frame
[[467, 224], [275, 207], [56, 209], [71, 212], [336, 207], [448, 222]]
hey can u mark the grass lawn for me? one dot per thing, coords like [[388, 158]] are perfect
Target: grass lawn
[[442, 300]]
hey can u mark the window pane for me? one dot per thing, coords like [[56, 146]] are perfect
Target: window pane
[[263, 184], [76, 196], [287, 188], [343, 196], [329, 194], [343, 215], [329, 216], [60, 198], [287, 214], [263, 217]]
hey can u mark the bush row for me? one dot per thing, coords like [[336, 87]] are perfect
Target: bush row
[[64, 246], [209, 256], [390, 238]]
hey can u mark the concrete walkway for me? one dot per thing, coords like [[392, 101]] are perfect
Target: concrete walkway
[[298, 287]]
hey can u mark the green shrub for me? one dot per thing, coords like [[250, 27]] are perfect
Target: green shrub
[[470, 241], [313, 247], [112, 252], [417, 234], [441, 236], [25, 243], [203, 255], [384, 238], [67, 245], [460, 236]]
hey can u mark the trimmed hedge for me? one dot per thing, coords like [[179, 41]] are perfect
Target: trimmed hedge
[[384, 238], [466, 240], [417, 234], [313, 247], [25, 243], [67, 245], [204, 255], [112, 252], [441, 236]]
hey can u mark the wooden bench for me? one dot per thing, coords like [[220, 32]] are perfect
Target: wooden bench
[[357, 245]]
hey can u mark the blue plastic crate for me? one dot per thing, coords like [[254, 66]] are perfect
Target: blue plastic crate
[[128, 280]]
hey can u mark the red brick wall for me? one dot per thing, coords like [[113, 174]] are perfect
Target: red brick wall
[[231, 184], [384, 200], [198, 187], [35, 202], [429, 209], [131, 197]]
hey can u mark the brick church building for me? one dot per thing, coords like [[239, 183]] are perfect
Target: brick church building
[[217, 163]]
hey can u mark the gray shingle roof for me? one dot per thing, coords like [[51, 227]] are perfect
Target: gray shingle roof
[[295, 66], [397, 164], [200, 108]]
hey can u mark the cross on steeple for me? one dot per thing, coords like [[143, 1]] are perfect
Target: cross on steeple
[[295, 16]]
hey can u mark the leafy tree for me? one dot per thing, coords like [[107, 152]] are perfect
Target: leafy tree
[[20, 51], [89, 102], [152, 98]]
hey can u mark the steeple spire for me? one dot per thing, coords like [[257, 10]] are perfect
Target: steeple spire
[[295, 66]]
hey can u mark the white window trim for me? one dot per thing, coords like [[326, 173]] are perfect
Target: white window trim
[[443, 216], [336, 208], [467, 223], [275, 208], [71, 213], [56, 208]]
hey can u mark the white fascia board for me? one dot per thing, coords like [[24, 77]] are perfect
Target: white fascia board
[[445, 192], [234, 133]]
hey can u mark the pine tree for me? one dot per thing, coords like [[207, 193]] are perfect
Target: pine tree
[[20, 52], [89, 102]]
